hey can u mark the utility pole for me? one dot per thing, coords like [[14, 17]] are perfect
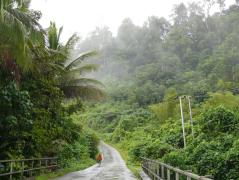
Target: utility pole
[[181, 109], [190, 113]]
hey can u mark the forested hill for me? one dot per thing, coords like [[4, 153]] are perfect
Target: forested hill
[[46, 92], [146, 69], [193, 52]]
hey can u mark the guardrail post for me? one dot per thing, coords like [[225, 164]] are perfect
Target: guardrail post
[[56, 161], [168, 174], [32, 165], [162, 171], [40, 166], [176, 176], [22, 163], [150, 169], [46, 164], [11, 169], [157, 171]]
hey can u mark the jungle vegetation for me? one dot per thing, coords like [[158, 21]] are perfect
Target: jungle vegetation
[[41, 85], [46, 92], [146, 68]]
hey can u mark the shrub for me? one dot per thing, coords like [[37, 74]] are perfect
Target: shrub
[[15, 121], [84, 148], [150, 149], [232, 161], [208, 158], [138, 150], [219, 119], [176, 158]]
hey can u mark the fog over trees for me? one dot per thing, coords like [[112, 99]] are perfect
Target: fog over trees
[[193, 53], [58, 99], [146, 68]]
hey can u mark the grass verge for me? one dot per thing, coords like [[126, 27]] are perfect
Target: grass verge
[[61, 172]]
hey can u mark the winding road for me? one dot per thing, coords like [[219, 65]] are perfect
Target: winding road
[[113, 167]]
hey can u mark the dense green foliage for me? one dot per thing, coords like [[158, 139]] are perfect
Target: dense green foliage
[[141, 132], [33, 121], [146, 68]]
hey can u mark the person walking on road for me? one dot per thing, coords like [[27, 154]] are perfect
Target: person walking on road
[[99, 158]]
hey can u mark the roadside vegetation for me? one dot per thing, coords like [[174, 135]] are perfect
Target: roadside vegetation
[[146, 68], [140, 132], [47, 97], [39, 77]]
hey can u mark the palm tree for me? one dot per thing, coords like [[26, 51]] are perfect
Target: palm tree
[[71, 72], [19, 31]]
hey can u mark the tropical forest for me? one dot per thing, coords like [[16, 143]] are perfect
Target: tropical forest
[[159, 99]]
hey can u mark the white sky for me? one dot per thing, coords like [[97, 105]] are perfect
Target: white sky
[[83, 16]]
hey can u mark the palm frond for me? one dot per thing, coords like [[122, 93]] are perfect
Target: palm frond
[[59, 34], [84, 69], [24, 4], [25, 18], [19, 28], [84, 92], [56, 67], [82, 82], [81, 58], [71, 42], [69, 75], [53, 36]]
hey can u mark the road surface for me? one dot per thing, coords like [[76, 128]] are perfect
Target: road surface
[[113, 167]]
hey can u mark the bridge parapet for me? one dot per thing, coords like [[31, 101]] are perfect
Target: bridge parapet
[[21, 168], [160, 171]]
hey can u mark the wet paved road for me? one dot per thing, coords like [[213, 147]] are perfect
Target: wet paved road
[[113, 167]]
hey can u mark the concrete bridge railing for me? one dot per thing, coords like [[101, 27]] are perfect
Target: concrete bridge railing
[[160, 171]]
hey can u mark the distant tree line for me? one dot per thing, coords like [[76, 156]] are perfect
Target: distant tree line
[[193, 52]]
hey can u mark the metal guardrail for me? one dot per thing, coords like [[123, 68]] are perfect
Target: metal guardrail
[[160, 171], [25, 167]]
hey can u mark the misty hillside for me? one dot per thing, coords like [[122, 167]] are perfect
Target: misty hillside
[[146, 69], [160, 99], [193, 53]]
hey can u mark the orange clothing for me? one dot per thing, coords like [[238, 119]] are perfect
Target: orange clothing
[[99, 157]]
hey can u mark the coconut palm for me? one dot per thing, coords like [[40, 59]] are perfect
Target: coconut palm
[[72, 73], [19, 31]]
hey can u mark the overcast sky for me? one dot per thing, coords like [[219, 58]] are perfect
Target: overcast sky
[[82, 16]]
